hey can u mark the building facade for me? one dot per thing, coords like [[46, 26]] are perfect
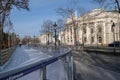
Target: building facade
[[93, 28], [46, 38]]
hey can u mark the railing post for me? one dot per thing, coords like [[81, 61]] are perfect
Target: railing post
[[70, 66], [43, 73], [66, 67], [68, 61]]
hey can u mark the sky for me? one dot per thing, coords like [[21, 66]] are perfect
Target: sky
[[28, 23]]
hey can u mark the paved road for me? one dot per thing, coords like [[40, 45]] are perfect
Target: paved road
[[94, 66]]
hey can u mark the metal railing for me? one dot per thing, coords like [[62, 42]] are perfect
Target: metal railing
[[41, 65]]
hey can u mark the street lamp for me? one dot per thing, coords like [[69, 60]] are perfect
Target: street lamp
[[48, 36], [55, 26], [113, 30]]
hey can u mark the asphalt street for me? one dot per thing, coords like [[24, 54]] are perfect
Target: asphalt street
[[87, 63]]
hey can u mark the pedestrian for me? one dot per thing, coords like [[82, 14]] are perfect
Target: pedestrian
[[20, 44]]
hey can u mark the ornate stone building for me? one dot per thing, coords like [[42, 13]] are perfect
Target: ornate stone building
[[93, 28], [45, 37]]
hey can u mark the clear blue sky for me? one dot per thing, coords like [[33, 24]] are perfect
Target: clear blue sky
[[29, 22]]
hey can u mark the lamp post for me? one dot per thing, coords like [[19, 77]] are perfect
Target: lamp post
[[48, 36], [113, 30], [55, 25]]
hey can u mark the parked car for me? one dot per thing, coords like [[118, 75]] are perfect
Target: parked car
[[116, 43]]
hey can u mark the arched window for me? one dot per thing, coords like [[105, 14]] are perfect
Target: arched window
[[85, 40], [100, 39], [84, 30], [92, 39], [92, 30]]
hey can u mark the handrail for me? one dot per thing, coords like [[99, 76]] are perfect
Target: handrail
[[21, 71]]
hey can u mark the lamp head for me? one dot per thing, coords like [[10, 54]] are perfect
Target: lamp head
[[55, 24], [113, 24]]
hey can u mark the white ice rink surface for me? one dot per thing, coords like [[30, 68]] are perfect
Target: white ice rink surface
[[24, 56], [55, 71]]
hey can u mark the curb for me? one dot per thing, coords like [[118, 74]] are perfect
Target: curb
[[104, 52]]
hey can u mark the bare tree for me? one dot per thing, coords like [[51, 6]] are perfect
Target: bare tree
[[46, 26], [7, 5], [113, 5], [109, 4], [70, 13], [47, 29], [5, 8], [60, 25]]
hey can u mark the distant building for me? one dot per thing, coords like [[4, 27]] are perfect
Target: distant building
[[45, 38], [93, 28], [61, 37]]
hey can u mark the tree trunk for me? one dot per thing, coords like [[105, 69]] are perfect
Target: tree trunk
[[1, 29], [118, 5]]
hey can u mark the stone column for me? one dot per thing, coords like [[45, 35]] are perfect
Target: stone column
[[95, 33], [88, 35], [104, 34]]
